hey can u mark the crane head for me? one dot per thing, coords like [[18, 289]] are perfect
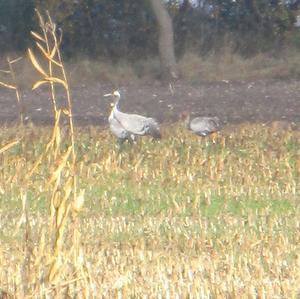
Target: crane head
[[115, 94]]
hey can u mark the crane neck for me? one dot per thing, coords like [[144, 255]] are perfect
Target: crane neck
[[116, 106]]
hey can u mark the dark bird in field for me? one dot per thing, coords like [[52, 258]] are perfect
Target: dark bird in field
[[202, 126], [126, 126]]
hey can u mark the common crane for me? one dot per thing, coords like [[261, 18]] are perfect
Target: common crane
[[201, 126], [132, 124], [117, 129]]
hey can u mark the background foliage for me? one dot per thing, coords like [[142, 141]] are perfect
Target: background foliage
[[127, 29]]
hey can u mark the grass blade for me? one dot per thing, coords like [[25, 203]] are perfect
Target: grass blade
[[8, 146]]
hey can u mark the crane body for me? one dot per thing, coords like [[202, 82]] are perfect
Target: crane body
[[123, 124], [202, 126]]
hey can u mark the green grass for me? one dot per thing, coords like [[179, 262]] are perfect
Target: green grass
[[222, 174]]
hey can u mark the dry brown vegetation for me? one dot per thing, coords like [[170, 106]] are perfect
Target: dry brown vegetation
[[224, 65], [180, 218], [214, 218]]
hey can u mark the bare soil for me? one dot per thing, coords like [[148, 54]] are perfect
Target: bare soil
[[232, 101]]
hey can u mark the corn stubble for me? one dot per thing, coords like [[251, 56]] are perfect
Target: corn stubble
[[186, 217], [182, 218]]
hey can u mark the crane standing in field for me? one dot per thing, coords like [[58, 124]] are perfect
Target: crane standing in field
[[126, 126], [117, 129], [202, 126]]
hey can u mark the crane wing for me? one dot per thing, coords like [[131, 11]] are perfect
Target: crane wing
[[204, 125], [137, 124], [117, 129]]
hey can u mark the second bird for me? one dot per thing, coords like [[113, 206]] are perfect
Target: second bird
[[125, 125], [201, 126]]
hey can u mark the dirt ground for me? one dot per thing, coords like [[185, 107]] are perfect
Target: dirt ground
[[233, 102]]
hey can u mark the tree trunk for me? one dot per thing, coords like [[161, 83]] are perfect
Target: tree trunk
[[181, 24], [165, 41]]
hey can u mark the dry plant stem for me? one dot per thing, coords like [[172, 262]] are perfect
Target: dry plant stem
[[63, 181], [14, 87], [50, 68], [19, 102], [70, 115], [8, 146], [25, 268]]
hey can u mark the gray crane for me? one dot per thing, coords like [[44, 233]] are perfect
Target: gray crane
[[117, 129], [125, 125], [201, 126]]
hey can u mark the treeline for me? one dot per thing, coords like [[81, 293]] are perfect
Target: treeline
[[127, 29]]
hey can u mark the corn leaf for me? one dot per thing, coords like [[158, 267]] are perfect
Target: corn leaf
[[66, 111], [37, 36], [57, 80], [53, 52], [39, 83], [48, 55], [7, 85], [61, 165], [36, 64], [43, 50]]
